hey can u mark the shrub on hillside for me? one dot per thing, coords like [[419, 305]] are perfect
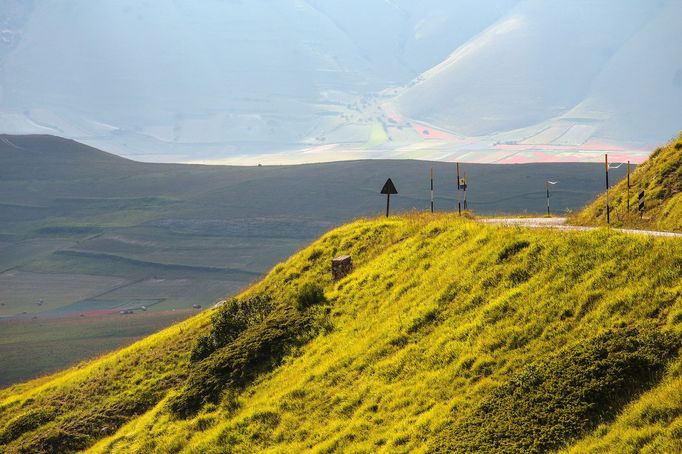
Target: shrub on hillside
[[229, 321], [249, 337], [555, 401], [258, 348], [310, 295], [25, 423]]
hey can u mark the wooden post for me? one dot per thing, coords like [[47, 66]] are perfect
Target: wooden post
[[547, 189]]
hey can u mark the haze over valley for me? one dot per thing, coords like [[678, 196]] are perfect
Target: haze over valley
[[291, 81]]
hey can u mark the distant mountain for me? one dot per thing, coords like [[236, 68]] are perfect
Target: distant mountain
[[175, 80], [597, 65]]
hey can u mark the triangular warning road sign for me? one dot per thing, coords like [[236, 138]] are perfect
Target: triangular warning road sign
[[389, 188]]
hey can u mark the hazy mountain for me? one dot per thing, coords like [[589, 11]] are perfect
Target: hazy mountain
[[182, 80], [608, 65]]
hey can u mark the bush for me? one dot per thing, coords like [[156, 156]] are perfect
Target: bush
[[259, 348], [231, 319], [310, 295], [551, 403], [27, 422]]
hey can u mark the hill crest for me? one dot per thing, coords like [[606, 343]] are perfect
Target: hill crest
[[439, 314]]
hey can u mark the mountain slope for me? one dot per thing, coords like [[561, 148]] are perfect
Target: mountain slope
[[187, 81], [577, 64], [440, 319], [660, 177]]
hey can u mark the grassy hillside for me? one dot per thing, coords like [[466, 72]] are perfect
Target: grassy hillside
[[448, 335], [660, 177], [88, 232]]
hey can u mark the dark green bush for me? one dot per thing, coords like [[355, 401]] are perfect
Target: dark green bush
[[554, 402], [310, 295], [27, 422], [202, 349], [79, 430], [229, 321], [258, 348]]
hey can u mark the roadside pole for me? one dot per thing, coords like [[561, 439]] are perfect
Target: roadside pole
[[458, 176], [606, 170], [459, 203], [388, 189], [464, 186], [547, 183], [628, 213], [431, 189]]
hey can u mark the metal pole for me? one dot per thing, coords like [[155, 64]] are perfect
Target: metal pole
[[431, 189], [466, 185], [606, 170], [628, 189], [458, 176], [547, 189]]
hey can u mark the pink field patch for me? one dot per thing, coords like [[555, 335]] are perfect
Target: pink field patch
[[428, 132]]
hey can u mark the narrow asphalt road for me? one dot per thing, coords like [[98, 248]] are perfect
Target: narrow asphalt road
[[560, 224]]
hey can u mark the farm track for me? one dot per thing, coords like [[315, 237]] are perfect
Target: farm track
[[560, 224]]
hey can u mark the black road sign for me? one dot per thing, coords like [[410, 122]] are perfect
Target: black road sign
[[388, 189], [641, 201]]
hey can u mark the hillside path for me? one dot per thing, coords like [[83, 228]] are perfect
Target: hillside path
[[560, 224]]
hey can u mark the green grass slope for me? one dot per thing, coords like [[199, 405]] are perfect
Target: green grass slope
[[660, 177], [448, 335]]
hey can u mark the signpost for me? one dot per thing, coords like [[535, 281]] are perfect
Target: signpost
[[628, 189], [641, 204], [547, 183], [461, 186], [431, 189], [459, 204], [606, 169], [458, 176], [388, 189]]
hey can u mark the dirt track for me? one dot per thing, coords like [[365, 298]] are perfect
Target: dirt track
[[560, 223]]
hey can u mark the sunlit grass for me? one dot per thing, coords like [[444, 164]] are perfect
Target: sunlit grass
[[660, 177], [438, 313]]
